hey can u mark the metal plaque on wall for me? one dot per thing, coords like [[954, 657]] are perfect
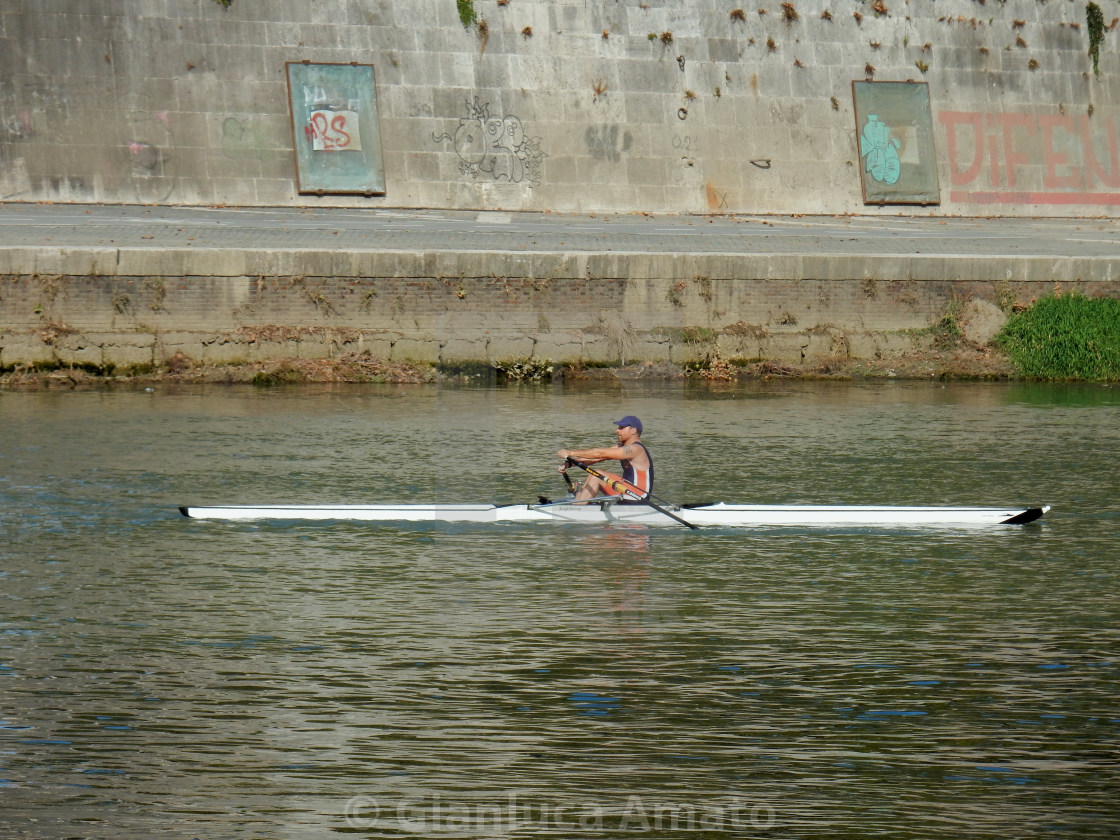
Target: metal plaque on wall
[[894, 127], [335, 130]]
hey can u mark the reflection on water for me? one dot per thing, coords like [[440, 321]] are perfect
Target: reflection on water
[[166, 676]]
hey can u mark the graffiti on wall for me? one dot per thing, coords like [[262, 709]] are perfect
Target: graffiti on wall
[[335, 128], [895, 126], [687, 147], [1018, 158], [606, 143], [27, 109], [879, 149], [16, 125], [29, 112], [246, 138], [149, 161], [495, 147]]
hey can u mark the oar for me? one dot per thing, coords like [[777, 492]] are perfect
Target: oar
[[625, 489], [571, 484], [572, 489]]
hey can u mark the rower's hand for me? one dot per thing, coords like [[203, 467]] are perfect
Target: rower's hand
[[563, 456]]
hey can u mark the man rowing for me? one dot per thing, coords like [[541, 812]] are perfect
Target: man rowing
[[631, 453]]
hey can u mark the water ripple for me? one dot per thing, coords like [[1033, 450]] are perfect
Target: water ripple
[[250, 679]]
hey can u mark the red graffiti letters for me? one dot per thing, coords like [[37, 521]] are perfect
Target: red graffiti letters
[[333, 131], [1028, 159]]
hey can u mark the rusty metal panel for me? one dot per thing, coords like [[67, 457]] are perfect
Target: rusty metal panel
[[335, 129]]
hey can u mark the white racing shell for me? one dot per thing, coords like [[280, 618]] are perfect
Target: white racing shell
[[719, 515]]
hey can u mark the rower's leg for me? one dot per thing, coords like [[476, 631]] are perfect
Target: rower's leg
[[590, 488]]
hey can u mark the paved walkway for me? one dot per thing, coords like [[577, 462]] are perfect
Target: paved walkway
[[70, 226]]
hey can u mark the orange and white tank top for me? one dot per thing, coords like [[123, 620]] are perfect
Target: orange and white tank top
[[642, 479]]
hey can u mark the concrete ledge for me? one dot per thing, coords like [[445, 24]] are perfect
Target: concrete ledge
[[222, 306], [240, 263], [108, 351]]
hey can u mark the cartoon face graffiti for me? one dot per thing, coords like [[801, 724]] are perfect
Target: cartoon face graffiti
[[496, 146], [504, 139], [470, 141]]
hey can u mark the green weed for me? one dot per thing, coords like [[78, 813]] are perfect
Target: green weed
[[947, 331], [1094, 21], [1066, 336], [467, 13], [527, 370]]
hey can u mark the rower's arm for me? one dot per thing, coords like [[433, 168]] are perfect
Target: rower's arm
[[594, 456]]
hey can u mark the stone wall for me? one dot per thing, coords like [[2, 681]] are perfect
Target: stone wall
[[489, 307], [572, 105]]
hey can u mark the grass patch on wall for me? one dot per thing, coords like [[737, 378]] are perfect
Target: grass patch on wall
[[1094, 22], [467, 13], [947, 332], [1065, 336]]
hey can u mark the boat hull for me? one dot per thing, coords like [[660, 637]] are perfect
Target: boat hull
[[716, 515]]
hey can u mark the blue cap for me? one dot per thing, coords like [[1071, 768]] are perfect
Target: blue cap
[[630, 420]]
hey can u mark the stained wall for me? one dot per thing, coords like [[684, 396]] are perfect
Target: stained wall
[[664, 106]]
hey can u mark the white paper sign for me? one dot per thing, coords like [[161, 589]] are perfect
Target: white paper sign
[[334, 131]]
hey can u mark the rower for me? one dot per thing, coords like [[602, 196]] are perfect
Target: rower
[[631, 453]]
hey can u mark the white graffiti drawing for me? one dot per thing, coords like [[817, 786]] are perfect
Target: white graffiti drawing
[[495, 146]]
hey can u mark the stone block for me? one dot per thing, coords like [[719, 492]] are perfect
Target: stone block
[[649, 349], [510, 347], [464, 350], [863, 345], [821, 346], [314, 348], [741, 345], [563, 347], [784, 347], [20, 348], [981, 320], [125, 349], [415, 349], [77, 349], [591, 348], [378, 346], [170, 343], [683, 352], [219, 350], [729, 50]]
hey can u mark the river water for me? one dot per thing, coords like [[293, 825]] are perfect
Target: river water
[[165, 677]]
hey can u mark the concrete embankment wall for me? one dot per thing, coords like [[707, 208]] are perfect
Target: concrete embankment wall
[[664, 106], [568, 105], [133, 309]]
